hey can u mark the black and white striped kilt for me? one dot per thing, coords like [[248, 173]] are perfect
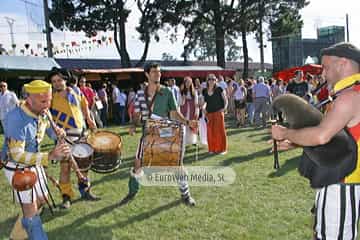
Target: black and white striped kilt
[[337, 212]]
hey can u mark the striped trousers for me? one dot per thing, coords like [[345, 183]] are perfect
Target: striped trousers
[[337, 212]]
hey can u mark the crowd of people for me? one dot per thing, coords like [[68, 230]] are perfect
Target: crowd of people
[[62, 103]]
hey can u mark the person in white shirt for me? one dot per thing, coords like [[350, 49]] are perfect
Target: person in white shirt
[[122, 102], [240, 102], [8, 101], [116, 103], [222, 83], [175, 90]]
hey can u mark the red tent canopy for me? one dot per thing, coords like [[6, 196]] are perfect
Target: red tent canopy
[[289, 73]]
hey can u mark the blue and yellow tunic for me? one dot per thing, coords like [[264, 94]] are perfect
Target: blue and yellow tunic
[[24, 132], [67, 112]]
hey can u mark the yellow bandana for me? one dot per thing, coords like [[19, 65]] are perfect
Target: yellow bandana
[[37, 86]]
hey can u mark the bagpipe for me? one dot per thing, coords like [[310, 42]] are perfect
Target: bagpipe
[[324, 164]]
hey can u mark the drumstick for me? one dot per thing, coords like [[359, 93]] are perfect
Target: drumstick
[[53, 181], [275, 152], [73, 163]]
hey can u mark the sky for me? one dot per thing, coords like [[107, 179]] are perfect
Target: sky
[[28, 24]]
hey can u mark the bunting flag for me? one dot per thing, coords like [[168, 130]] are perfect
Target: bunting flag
[[71, 47]]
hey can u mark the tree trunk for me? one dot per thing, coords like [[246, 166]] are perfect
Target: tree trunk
[[261, 47], [120, 35], [125, 59], [220, 35], [116, 40], [261, 41], [246, 55], [145, 52]]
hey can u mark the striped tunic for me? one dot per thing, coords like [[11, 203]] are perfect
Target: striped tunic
[[141, 106], [23, 133]]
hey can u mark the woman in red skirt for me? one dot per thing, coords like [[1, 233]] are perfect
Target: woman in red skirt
[[215, 104]]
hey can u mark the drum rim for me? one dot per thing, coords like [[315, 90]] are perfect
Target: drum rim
[[104, 150], [82, 143]]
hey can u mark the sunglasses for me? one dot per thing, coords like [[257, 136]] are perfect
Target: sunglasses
[[211, 79]]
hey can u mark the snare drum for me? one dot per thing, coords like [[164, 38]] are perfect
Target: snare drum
[[162, 143], [107, 151], [83, 155]]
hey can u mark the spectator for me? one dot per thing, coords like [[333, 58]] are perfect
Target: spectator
[[240, 103], [250, 108], [122, 102], [91, 97], [278, 89], [298, 86], [222, 83], [102, 94], [261, 95], [202, 122], [130, 103], [8, 101], [215, 105], [190, 108], [175, 90], [116, 103]]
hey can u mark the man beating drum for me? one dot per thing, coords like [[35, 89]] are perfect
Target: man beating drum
[[69, 110], [25, 127], [155, 101]]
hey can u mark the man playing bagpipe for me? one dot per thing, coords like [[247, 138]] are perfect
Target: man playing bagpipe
[[331, 148], [70, 110], [25, 127], [155, 102]]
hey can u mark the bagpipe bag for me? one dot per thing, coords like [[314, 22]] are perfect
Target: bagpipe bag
[[324, 164]]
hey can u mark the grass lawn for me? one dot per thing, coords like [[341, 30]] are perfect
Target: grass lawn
[[261, 204]]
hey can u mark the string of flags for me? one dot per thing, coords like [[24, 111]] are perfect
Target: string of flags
[[69, 48]]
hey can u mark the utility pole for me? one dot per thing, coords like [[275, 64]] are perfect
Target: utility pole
[[347, 28], [47, 30], [11, 21]]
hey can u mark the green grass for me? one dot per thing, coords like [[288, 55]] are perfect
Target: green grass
[[261, 204]]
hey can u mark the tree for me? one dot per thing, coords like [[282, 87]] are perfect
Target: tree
[[283, 18], [197, 16], [286, 21], [108, 15]]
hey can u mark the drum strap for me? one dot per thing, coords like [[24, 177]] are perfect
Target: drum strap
[[150, 104]]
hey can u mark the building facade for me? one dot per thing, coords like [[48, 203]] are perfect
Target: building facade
[[290, 51]]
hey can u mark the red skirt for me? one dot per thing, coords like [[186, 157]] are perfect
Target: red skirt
[[216, 134]]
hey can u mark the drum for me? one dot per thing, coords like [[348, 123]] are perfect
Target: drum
[[74, 134], [83, 155], [107, 151], [162, 143]]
